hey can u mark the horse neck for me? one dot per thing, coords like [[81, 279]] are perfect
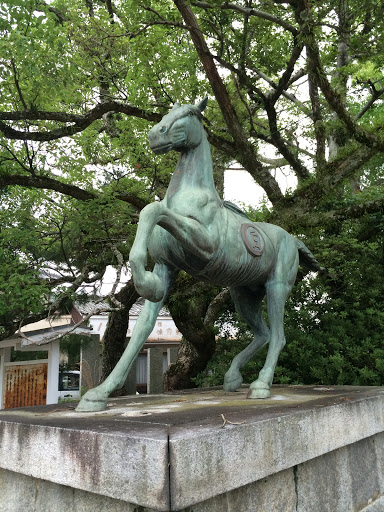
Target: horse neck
[[194, 170]]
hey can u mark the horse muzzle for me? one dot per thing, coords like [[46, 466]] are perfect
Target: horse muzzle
[[160, 149]]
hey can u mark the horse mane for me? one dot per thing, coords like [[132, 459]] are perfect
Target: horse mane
[[235, 209]]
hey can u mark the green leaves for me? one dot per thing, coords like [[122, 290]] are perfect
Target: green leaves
[[23, 292]]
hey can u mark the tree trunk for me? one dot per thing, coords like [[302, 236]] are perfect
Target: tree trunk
[[116, 331], [194, 307], [189, 364]]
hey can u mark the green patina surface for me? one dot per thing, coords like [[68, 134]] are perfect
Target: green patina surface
[[194, 230]]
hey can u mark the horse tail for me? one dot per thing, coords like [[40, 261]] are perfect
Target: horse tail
[[306, 258]]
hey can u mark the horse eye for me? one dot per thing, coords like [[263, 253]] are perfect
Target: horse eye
[[163, 129], [190, 113]]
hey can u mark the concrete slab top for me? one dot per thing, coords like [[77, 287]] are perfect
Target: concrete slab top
[[207, 408], [169, 451]]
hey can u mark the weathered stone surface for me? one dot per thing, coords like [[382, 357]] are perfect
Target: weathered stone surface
[[275, 493], [379, 449], [364, 474], [377, 506], [125, 465], [22, 493], [347, 479], [17, 491], [326, 476], [307, 449], [259, 449]]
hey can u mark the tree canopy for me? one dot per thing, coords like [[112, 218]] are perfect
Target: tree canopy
[[293, 85]]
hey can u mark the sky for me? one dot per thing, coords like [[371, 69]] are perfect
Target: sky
[[240, 188]]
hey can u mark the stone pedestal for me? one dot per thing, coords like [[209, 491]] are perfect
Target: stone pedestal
[[154, 370], [307, 449]]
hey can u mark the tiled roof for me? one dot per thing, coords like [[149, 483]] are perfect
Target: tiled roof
[[138, 306], [85, 308]]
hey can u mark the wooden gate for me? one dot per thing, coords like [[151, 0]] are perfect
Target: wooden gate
[[25, 384]]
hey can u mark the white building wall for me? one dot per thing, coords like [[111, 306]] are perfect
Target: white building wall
[[164, 330]]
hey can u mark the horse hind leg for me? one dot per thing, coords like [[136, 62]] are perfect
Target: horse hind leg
[[248, 305], [277, 288], [276, 296]]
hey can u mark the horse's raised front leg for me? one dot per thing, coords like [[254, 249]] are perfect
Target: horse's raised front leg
[[191, 234], [96, 399], [148, 284], [248, 305]]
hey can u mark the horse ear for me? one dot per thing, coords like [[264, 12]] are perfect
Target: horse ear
[[203, 103], [175, 106]]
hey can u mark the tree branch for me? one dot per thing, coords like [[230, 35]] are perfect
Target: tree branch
[[79, 122], [300, 170], [335, 173], [375, 95], [318, 123], [333, 98], [286, 76], [245, 150], [43, 182], [330, 217], [216, 306], [132, 35], [17, 84], [249, 12], [54, 11], [253, 89]]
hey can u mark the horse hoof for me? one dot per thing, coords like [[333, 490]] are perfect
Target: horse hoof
[[232, 385], [259, 390], [92, 402]]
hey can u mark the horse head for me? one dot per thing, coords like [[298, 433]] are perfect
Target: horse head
[[181, 129]]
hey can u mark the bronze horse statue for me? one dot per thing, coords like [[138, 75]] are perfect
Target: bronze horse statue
[[193, 230]]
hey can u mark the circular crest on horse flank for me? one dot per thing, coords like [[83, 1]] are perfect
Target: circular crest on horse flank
[[253, 239]]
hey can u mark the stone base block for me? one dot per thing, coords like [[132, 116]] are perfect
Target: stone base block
[[304, 450]]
